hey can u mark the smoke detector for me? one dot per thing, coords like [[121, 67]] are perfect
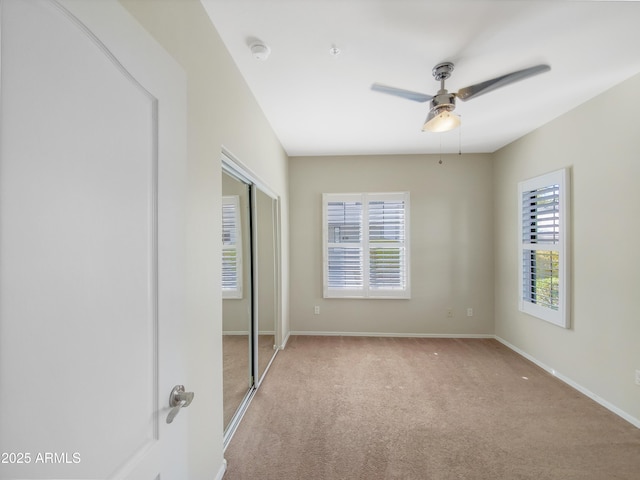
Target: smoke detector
[[260, 51]]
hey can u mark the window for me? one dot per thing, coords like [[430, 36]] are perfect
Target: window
[[366, 245], [231, 248], [544, 236]]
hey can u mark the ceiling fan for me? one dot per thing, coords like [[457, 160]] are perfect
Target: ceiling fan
[[442, 104]]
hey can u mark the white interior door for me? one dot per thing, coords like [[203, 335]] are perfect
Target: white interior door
[[92, 167]]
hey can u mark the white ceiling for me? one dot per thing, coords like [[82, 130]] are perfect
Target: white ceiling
[[319, 104]]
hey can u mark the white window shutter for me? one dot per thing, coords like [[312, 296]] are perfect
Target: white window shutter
[[344, 249], [365, 245], [231, 247], [387, 254], [544, 237]]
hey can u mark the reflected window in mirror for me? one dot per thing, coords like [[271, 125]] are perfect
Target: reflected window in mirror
[[231, 247]]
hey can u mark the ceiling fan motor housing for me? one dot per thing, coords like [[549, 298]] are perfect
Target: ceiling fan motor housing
[[443, 101]]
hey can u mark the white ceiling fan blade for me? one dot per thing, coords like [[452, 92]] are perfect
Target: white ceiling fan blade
[[478, 89], [399, 92]]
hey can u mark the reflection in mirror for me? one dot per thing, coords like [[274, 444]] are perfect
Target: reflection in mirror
[[250, 288], [266, 288], [236, 294]]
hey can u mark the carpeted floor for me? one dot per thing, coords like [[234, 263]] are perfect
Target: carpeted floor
[[341, 408], [236, 373]]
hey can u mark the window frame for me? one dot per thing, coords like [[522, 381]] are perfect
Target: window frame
[[560, 243], [233, 293], [366, 291]]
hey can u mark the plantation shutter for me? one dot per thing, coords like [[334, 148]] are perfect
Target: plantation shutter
[[231, 248], [387, 260], [543, 239], [345, 266], [541, 215], [366, 245], [541, 236]]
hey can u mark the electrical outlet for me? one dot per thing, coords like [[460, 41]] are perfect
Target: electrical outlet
[[450, 313], [637, 377], [316, 310], [469, 312]]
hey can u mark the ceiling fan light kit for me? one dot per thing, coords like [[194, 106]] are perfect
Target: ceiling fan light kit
[[441, 122], [441, 117]]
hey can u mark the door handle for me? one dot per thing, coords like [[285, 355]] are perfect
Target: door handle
[[178, 399]]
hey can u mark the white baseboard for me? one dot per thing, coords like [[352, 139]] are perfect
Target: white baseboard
[[246, 332], [222, 469], [399, 335], [606, 404]]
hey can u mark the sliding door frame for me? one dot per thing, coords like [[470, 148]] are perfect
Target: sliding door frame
[[236, 169]]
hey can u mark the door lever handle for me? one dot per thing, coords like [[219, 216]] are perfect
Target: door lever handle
[[178, 399]]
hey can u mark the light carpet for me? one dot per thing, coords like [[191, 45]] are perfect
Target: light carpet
[[415, 408]]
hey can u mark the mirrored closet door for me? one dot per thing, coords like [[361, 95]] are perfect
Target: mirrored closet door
[[266, 293], [250, 288], [236, 293]]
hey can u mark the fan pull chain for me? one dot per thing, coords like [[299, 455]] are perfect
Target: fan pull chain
[[440, 162]]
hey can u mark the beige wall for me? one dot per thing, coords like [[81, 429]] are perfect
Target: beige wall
[[600, 142], [451, 243], [221, 112]]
